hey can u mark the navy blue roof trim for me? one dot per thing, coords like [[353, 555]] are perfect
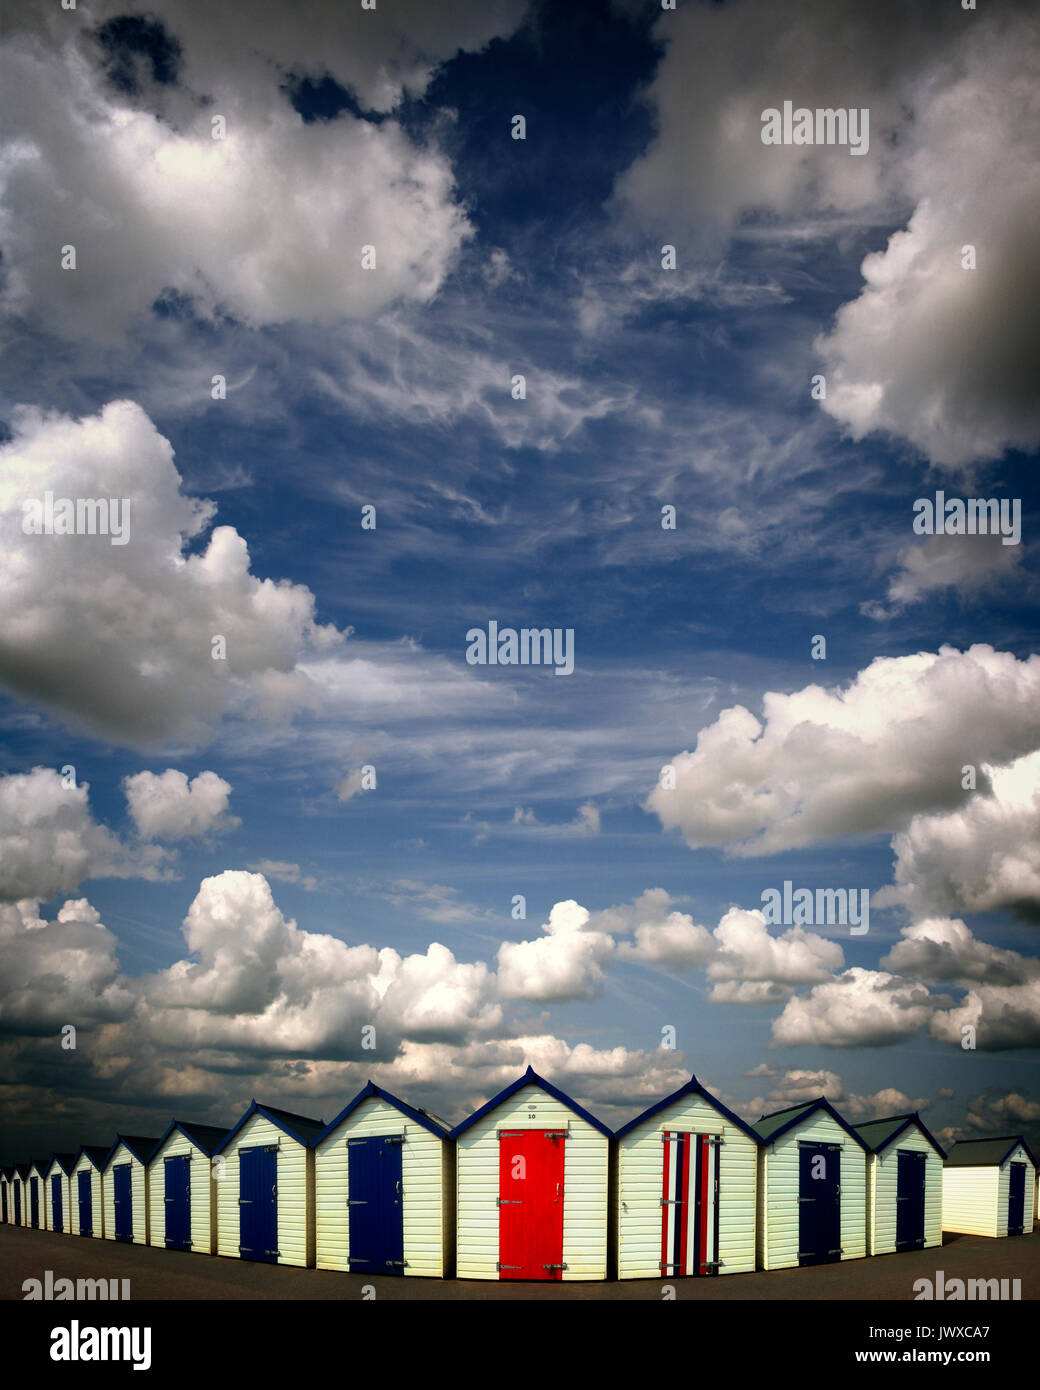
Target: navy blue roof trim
[[204, 1137], [803, 1111], [281, 1118], [908, 1120], [421, 1117], [529, 1078], [95, 1153], [692, 1088], [142, 1149], [66, 1162]]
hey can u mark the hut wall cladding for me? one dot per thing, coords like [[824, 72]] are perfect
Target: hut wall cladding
[[203, 1199], [295, 1178], [777, 1240], [970, 1204], [84, 1165], [138, 1195], [585, 1181], [639, 1160], [881, 1195], [426, 1181]]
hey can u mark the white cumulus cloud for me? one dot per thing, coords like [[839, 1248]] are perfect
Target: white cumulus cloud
[[169, 807]]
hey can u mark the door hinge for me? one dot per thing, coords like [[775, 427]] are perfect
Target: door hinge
[[502, 1266], [554, 1266], [510, 1202]]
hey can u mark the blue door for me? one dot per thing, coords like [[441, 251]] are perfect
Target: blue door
[[819, 1203], [910, 1172], [34, 1202], [123, 1202], [1016, 1199], [375, 1204], [86, 1204], [258, 1204], [17, 1202], [57, 1222], [178, 1202]]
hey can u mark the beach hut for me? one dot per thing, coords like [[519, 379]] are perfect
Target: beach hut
[[182, 1193], [6, 1196], [38, 1194], [86, 1194], [57, 1191], [384, 1182], [21, 1189], [684, 1196], [904, 1184], [531, 1187], [125, 1188], [988, 1187], [812, 1187], [265, 1187]]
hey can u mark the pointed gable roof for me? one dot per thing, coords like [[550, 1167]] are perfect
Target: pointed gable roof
[[977, 1153], [141, 1149], [370, 1089], [204, 1137], [94, 1153], [530, 1078], [692, 1088], [299, 1127], [770, 1127], [878, 1134], [65, 1162]]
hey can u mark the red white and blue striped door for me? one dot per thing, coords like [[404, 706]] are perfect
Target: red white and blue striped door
[[689, 1204]]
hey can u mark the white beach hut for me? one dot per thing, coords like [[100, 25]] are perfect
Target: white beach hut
[[265, 1187], [37, 1187], [989, 1187], [684, 1198], [86, 1193], [904, 1184], [57, 1192], [125, 1189], [531, 1187], [182, 1191], [384, 1189], [812, 1187]]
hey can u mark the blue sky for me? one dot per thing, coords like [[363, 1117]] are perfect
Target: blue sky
[[220, 938]]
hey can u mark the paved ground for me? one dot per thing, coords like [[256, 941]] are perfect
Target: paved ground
[[169, 1274]]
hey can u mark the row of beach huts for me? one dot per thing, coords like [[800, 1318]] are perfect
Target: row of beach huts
[[532, 1186]]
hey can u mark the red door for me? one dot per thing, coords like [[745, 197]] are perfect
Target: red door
[[530, 1203]]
